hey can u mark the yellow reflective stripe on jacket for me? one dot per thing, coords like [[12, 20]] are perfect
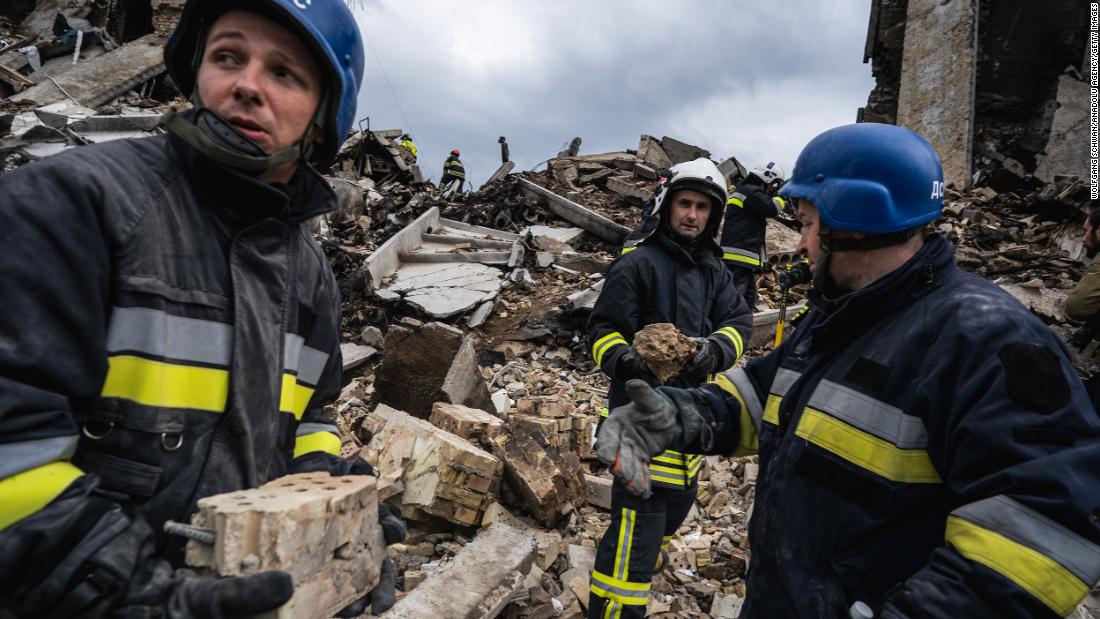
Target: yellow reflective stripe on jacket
[[619, 590], [749, 442], [164, 384], [771, 409], [605, 344], [24, 494], [739, 258], [294, 396], [735, 337], [317, 441], [737, 200], [673, 468], [1040, 555], [627, 250], [879, 456]]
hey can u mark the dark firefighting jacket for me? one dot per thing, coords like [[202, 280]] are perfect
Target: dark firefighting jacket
[[660, 280], [925, 447], [745, 224], [453, 168], [170, 331]]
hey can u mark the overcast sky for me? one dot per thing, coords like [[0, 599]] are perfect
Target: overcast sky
[[756, 80]]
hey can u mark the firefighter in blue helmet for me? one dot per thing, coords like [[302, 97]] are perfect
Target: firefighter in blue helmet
[[926, 449], [669, 272], [171, 327]]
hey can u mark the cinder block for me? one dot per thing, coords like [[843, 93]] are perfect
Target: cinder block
[[322, 530]]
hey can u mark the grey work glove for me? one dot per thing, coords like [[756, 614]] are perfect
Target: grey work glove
[[630, 366], [708, 356], [653, 422]]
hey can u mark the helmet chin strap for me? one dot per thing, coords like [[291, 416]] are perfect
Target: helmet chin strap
[[216, 139]]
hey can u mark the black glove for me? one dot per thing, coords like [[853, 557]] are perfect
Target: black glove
[[707, 357], [112, 570], [654, 421], [380, 599], [630, 366], [793, 275]]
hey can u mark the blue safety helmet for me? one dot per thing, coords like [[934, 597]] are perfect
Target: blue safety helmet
[[327, 27], [869, 177]]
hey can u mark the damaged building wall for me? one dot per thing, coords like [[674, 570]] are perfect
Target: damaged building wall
[[984, 81]]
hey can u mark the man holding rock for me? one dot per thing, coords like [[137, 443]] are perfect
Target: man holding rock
[[670, 272]]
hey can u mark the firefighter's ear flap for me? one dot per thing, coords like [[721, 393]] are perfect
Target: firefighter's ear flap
[[1034, 377]]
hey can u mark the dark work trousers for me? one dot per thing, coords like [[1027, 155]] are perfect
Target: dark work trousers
[[627, 554], [745, 281]]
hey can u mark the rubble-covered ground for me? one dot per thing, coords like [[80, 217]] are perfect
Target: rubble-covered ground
[[516, 355]]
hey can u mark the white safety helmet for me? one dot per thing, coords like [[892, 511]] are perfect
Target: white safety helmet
[[700, 175], [770, 172]]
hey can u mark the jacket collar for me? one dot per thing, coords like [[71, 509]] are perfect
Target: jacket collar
[[246, 199], [700, 253], [928, 269]]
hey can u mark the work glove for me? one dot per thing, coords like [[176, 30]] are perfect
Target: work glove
[[630, 366], [655, 420], [708, 356], [113, 570], [793, 275]]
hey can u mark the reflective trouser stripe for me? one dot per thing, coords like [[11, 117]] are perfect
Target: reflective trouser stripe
[[619, 590], [294, 397], [606, 343], [733, 336], [913, 466], [317, 441], [25, 493], [166, 385], [26, 455], [626, 540], [681, 471], [1041, 556]]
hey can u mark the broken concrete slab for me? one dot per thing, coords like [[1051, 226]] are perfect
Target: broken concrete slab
[[726, 606], [679, 152], [628, 190], [102, 79], [586, 299], [443, 290], [355, 355], [387, 259], [549, 483], [442, 475], [572, 212], [480, 315], [478, 583], [433, 363], [322, 530], [474, 425], [568, 236], [1044, 302], [936, 95], [1066, 153], [651, 153]]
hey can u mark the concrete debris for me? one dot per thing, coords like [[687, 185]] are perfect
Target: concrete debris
[[550, 483], [322, 530], [425, 364], [476, 426], [664, 349], [443, 475], [478, 583]]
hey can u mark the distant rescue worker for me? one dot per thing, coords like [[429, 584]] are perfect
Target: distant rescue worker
[[171, 329], [453, 171], [750, 205], [1083, 304], [407, 143], [926, 449], [671, 272]]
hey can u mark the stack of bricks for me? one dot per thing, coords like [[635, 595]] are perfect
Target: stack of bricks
[[322, 530], [474, 425], [550, 483], [443, 475], [554, 417], [166, 14]]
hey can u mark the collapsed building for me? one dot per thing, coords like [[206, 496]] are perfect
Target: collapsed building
[[468, 382]]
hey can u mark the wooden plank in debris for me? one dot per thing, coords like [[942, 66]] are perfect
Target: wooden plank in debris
[[478, 583], [574, 213], [102, 79]]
